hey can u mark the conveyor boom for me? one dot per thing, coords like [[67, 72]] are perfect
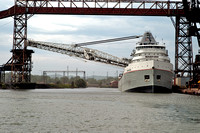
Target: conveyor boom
[[81, 52]]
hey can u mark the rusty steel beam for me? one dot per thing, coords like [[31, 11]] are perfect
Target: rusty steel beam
[[7, 13], [106, 11], [95, 7], [90, 11]]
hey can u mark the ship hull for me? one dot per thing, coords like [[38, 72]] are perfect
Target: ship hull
[[147, 81]]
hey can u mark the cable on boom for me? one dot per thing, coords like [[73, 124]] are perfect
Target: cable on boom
[[107, 41]]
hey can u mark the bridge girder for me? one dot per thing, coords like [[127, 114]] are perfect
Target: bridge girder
[[96, 7]]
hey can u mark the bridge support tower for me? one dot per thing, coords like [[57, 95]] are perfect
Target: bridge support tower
[[21, 57], [183, 48]]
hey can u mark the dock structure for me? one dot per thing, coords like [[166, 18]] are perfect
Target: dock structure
[[192, 86]]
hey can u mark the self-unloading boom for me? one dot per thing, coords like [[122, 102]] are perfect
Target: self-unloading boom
[[83, 52]]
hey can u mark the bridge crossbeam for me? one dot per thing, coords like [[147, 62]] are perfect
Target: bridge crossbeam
[[95, 7]]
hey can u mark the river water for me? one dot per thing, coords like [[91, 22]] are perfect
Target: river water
[[97, 110]]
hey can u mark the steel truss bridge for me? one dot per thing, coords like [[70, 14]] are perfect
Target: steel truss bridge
[[186, 15]]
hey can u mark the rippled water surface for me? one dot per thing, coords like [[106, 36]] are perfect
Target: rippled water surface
[[94, 110]]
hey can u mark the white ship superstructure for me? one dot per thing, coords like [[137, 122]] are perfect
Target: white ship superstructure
[[150, 69]]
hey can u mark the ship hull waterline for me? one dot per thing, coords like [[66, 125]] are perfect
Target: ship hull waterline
[[135, 81]]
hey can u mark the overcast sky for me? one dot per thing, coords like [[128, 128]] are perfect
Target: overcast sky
[[71, 29]]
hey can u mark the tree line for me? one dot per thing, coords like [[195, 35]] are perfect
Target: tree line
[[70, 81]]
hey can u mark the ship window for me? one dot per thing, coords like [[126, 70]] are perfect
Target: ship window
[[158, 77], [146, 77]]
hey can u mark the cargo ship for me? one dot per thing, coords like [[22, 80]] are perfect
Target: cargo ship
[[150, 69]]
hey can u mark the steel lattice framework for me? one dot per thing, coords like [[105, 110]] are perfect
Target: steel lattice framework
[[24, 9], [192, 11], [183, 48], [81, 52], [21, 57], [96, 7]]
